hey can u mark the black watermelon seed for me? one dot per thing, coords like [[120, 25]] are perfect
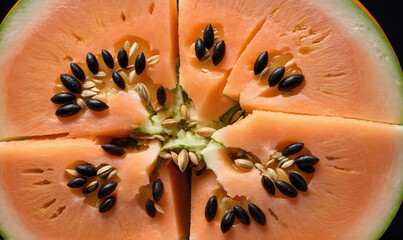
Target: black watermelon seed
[[92, 63], [218, 52], [242, 215], [286, 189], [113, 149], [291, 82], [200, 49], [201, 171], [63, 98], [292, 149], [107, 189], [208, 36], [140, 63], [96, 105], [161, 96], [307, 169], [123, 59], [68, 110], [276, 76], [227, 221], [107, 204], [211, 208], [306, 160], [158, 189], [71, 83], [77, 71], [77, 182], [119, 81], [257, 214], [297, 181], [261, 63], [86, 170], [108, 59], [124, 142], [150, 208], [268, 185]]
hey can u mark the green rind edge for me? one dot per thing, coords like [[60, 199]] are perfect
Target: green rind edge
[[388, 47]]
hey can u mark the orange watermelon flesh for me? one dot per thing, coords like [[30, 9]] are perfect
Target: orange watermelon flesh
[[64, 32], [28, 211], [357, 178], [340, 65]]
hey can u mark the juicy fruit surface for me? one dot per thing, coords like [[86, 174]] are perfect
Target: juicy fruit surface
[[68, 32], [39, 202], [358, 160], [358, 163]]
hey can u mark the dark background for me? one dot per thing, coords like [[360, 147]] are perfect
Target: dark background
[[389, 14]]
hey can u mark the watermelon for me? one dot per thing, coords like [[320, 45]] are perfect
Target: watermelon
[[198, 119]]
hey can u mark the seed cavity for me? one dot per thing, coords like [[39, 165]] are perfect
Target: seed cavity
[[291, 82], [268, 185], [218, 52], [276, 76], [107, 204], [77, 71], [107, 189], [292, 149], [108, 59], [257, 214], [227, 221], [140, 63], [113, 149], [77, 182], [92, 63], [61, 98], [286, 189], [157, 189], [242, 215], [261, 63], [96, 105], [200, 49], [68, 110], [150, 208]]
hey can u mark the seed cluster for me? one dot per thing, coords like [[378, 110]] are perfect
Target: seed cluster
[[244, 161], [203, 47], [83, 88], [103, 177], [276, 77], [240, 213]]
